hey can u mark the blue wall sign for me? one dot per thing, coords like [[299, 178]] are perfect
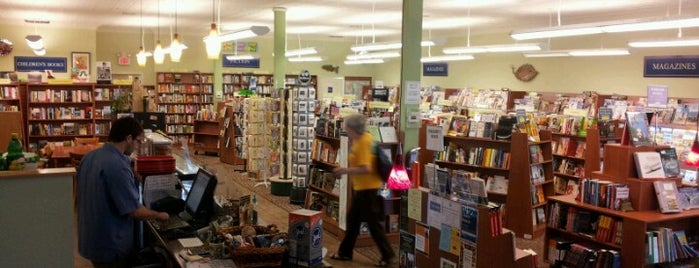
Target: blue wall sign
[[671, 66], [28, 64], [435, 69], [253, 63]]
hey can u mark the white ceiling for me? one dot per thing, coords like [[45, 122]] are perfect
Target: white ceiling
[[350, 19]]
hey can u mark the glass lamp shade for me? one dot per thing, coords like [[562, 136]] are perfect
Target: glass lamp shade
[[213, 45], [141, 57], [158, 53], [175, 49], [692, 159]]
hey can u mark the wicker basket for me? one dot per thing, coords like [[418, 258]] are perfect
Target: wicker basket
[[256, 257]]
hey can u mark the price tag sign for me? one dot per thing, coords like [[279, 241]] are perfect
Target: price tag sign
[[435, 138]]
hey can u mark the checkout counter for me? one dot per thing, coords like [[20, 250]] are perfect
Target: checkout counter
[[37, 218]]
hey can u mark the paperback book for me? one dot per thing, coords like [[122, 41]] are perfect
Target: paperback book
[[671, 165], [648, 165], [638, 131], [668, 197]]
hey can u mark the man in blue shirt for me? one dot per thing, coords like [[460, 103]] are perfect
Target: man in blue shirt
[[108, 199]]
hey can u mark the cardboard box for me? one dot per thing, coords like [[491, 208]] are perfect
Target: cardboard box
[[305, 238]]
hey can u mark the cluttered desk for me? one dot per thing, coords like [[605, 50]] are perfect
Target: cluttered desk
[[189, 219]]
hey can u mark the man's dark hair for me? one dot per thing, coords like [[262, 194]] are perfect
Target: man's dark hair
[[123, 127]]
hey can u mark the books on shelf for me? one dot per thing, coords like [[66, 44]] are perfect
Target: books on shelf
[[649, 165], [638, 131], [671, 165], [668, 196]]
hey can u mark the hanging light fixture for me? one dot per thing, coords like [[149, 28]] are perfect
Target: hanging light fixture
[[213, 46], [158, 53], [302, 54], [142, 54], [35, 41], [175, 46]]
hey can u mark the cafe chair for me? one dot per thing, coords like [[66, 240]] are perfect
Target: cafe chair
[[75, 162]]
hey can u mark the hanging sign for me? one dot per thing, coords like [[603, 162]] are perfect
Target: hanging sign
[[435, 69], [671, 66], [28, 64], [253, 63]]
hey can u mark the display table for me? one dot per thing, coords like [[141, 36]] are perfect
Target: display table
[[38, 225]]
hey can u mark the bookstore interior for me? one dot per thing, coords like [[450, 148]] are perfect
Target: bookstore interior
[[594, 178]]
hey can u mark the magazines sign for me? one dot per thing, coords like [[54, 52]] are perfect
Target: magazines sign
[[671, 66], [28, 64]]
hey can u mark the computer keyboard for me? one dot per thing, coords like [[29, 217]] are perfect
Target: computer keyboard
[[173, 222]]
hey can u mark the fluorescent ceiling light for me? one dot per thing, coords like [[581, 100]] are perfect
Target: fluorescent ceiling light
[[386, 46], [547, 54], [651, 25], [301, 52], [366, 61], [599, 52], [377, 55], [492, 48], [683, 42], [242, 34], [446, 58], [605, 27], [554, 32], [305, 59], [239, 57], [35, 42]]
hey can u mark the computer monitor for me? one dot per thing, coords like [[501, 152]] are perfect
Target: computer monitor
[[200, 200]]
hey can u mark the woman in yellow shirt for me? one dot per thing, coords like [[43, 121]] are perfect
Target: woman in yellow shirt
[[366, 204]]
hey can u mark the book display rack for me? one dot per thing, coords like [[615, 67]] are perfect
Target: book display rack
[[180, 97], [257, 138], [232, 133], [637, 236], [475, 235], [528, 182]]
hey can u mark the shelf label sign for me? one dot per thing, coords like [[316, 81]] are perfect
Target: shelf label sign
[[435, 69], [28, 64], [671, 66], [435, 138], [252, 63]]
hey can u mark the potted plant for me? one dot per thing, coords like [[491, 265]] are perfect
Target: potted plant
[[121, 104]]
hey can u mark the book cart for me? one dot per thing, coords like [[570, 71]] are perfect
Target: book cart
[[626, 233]]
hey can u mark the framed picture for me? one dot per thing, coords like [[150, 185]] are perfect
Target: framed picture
[[80, 63]]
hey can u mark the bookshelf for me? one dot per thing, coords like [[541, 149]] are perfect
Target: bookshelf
[[494, 245], [526, 196], [10, 97], [575, 157], [59, 112], [180, 97], [232, 139], [103, 96], [205, 137], [626, 232]]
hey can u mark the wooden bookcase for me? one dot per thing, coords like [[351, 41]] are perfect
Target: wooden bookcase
[[586, 163], [103, 96], [521, 209], [206, 136], [232, 139], [491, 251], [10, 96], [633, 247], [180, 96], [341, 195], [619, 167]]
